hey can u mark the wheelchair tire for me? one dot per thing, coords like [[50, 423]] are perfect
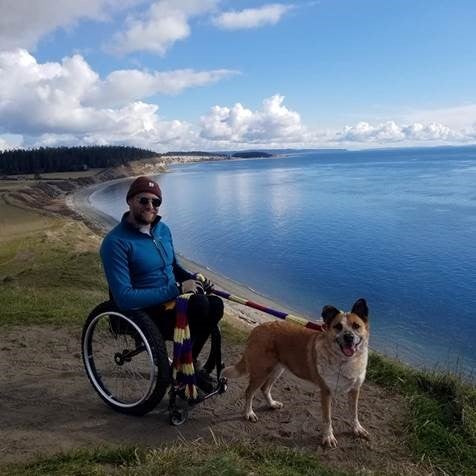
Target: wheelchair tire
[[125, 359]]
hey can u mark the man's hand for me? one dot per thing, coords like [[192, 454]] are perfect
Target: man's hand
[[192, 286], [207, 285]]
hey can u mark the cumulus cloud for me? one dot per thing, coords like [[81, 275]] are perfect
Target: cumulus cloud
[[390, 132], [241, 125], [166, 22], [23, 23], [123, 86], [456, 117], [274, 125], [252, 17], [69, 101]]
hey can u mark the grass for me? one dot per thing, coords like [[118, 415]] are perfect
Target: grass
[[442, 424], [19, 222], [191, 458], [49, 270]]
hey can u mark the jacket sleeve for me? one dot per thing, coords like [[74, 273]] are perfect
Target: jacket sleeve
[[114, 256]]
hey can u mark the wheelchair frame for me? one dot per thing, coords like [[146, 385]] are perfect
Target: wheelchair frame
[[134, 337]]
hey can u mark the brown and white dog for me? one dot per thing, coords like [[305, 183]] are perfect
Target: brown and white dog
[[335, 360]]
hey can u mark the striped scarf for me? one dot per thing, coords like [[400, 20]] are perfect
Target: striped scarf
[[183, 371]]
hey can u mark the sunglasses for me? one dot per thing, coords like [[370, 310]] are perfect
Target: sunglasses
[[155, 201]]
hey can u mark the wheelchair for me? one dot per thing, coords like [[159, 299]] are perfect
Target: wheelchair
[[126, 360]]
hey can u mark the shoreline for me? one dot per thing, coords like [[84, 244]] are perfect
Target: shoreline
[[79, 202], [82, 206]]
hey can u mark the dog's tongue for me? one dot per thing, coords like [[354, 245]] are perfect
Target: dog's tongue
[[348, 351]]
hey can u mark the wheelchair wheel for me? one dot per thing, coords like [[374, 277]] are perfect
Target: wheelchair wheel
[[125, 359]]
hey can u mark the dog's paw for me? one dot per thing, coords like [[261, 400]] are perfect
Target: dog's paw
[[275, 405], [251, 417], [329, 441], [361, 432]]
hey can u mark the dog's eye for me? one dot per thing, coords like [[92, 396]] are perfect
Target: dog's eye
[[338, 327], [355, 326]]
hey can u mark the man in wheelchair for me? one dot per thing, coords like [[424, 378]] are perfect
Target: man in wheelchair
[[143, 273]]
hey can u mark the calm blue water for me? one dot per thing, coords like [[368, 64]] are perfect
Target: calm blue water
[[395, 227]]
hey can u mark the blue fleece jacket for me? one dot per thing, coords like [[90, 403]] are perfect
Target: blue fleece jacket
[[141, 269]]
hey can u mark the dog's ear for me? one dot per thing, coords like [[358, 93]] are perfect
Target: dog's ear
[[361, 309], [328, 313]]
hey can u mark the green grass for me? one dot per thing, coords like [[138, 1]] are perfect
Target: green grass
[[442, 424], [190, 458], [50, 277]]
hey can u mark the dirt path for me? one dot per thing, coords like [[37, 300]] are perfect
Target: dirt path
[[47, 406]]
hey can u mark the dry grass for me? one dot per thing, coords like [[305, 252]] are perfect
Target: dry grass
[[16, 221]]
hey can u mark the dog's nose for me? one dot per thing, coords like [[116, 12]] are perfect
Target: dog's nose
[[348, 338]]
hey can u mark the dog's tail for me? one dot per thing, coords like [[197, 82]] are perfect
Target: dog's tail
[[236, 370]]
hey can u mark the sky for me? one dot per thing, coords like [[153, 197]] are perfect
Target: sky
[[214, 75]]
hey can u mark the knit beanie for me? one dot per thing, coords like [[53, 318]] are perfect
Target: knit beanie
[[143, 184]]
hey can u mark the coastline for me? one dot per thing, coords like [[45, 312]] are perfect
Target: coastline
[[79, 203], [66, 282]]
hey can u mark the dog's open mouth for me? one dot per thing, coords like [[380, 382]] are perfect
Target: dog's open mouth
[[349, 349]]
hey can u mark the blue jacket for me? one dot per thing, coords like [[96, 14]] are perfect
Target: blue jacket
[[141, 269]]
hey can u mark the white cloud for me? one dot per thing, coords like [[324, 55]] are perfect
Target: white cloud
[[123, 86], [24, 22], [68, 102], [456, 117], [239, 124], [274, 125], [390, 133], [166, 22], [252, 17]]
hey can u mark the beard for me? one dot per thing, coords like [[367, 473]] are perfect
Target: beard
[[144, 217]]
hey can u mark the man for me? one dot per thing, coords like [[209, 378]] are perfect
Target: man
[[142, 271]]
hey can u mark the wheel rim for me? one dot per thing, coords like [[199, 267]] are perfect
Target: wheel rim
[[120, 364]]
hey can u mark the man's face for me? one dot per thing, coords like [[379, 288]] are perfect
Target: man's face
[[144, 208]]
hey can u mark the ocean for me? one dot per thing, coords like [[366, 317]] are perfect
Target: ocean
[[397, 227]]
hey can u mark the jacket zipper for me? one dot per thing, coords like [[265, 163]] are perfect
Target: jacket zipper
[[160, 249]]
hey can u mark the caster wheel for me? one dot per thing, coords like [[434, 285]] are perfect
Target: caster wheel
[[178, 416]]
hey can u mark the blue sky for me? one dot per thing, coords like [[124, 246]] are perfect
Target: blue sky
[[211, 74]]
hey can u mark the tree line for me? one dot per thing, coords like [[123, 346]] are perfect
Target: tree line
[[68, 159]]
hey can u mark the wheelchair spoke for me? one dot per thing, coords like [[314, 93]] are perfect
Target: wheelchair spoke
[[123, 366]]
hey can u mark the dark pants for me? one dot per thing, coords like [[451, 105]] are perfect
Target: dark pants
[[203, 312]]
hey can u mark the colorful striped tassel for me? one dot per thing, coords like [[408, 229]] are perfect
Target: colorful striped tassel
[[282, 315], [183, 371]]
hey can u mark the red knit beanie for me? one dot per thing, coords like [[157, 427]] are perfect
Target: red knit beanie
[[143, 184]]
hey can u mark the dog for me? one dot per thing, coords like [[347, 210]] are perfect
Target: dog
[[334, 359]]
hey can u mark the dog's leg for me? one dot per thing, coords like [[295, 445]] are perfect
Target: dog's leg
[[266, 387], [328, 438], [249, 394], [259, 374], [357, 428]]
